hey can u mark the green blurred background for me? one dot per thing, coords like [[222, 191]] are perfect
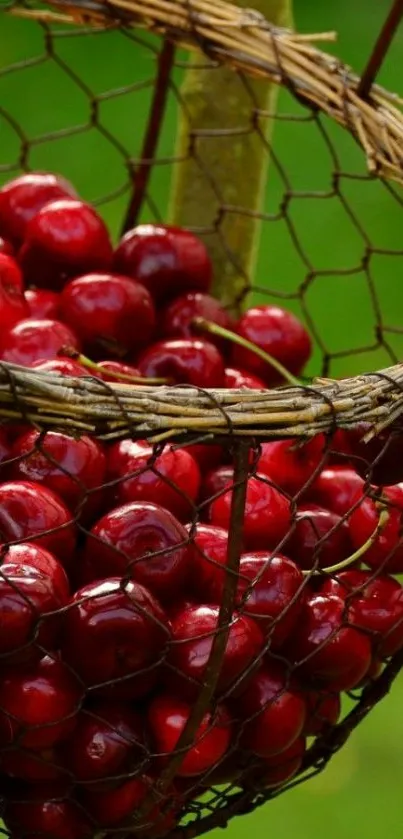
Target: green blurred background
[[359, 793]]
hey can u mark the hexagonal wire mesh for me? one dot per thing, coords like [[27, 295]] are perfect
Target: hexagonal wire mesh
[[217, 595]]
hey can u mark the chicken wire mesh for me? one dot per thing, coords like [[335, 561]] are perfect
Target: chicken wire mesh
[[212, 604]]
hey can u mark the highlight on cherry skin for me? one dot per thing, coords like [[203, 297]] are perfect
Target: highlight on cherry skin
[[116, 552]]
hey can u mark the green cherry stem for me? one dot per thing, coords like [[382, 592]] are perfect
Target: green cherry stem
[[132, 380], [333, 569], [208, 326]]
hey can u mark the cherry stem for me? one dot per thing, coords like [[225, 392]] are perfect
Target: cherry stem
[[213, 328], [333, 569], [133, 380]]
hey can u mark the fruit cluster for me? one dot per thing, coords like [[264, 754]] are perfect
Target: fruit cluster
[[115, 560]]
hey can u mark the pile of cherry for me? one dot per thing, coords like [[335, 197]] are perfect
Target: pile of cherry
[[114, 555]]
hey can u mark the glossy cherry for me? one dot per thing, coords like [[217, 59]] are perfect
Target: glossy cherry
[[43, 303], [177, 319], [323, 711], [6, 247], [34, 340], [125, 541], [184, 361], [209, 560], [168, 715], [193, 632], [114, 807], [10, 272], [336, 488], [240, 378], [379, 460], [112, 631], [289, 464], [319, 538], [281, 768], [13, 306], [23, 197], [36, 556], [28, 510], [45, 810], [272, 711], [386, 553], [277, 332], [66, 238], [109, 313], [216, 482], [39, 704], [267, 514], [64, 366], [167, 260]]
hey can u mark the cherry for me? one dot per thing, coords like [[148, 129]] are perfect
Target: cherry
[[23, 197], [273, 711], [35, 556], [323, 711], [106, 742], [239, 378], [144, 541], [267, 514], [290, 465], [64, 366], [206, 455], [38, 705], [114, 806], [113, 631], [69, 466], [33, 340], [209, 560], [270, 590], [168, 717], [43, 304], [33, 765], [28, 510], [167, 260], [6, 247], [10, 272], [216, 482], [177, 320], [374, 605], [280, 334], [386, 553], [116, 367], [108, 311], [320, 538], [326, 648], [13, 306], [172, 479], [45, 812], [379, 460], [184, 361], [336, 489], [281, 768], [193, 633], [64, 239]]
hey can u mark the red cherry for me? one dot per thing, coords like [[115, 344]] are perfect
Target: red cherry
[[146, 542], [273, 711], [267, 514], [112, 631], [34, 340], [209, 561], [168, 716], [64, 239], [239, 378], [38, 705], [107, 741], [28, 553], [184, 361], [386, 553], [374, 605], [32, 766], [379, 460], [43, 304], [206, 455], [45, 812], [69, 466], [115, 806], [326, 648], [13, 306], [290, 465], [106, 367], [281, 768], [323, 711], [216, 482], [6, 247], [23, 197], [172, 479], [340, 451], [193, 632], [320, 538], [278, 333], [64, 366], [336, 489], [167, 260], [177, 320], [270, 590], [10, 272], [108, 311], [28, 510]]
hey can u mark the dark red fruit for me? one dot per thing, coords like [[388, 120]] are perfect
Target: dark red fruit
[[10, 272], [125, 540], [272, 711], [6, 247], [336, 488], [23, 197], [13, 306], [209, 560], [167, 260], [44, 811], [35, 340], [216, 482], [320, 538], [64, 366], [289, 464], [113, 631], [108, 312], [206, 455], [28, 510], [168, 716], [121, 371], [177, 319], [323, 711], [380, 460], [64, 239], [184, 361], [267, 514], [239, 378], [33, 765], [28, 553], [281, 768], [328, 650], [277, 332], [115, 806], [193, 632], [386, 553], [172, 479], [43, 304]]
